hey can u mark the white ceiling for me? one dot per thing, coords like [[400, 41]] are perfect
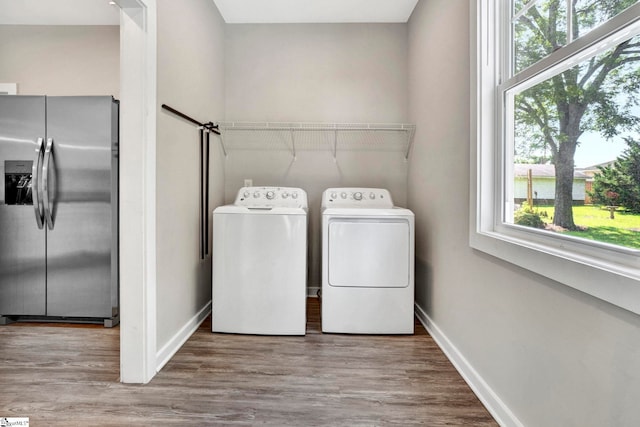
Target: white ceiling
[[314, 11], [100, 12], [58, 12]]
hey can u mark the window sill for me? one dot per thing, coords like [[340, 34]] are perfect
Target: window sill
[[610, 274], [611, 282]]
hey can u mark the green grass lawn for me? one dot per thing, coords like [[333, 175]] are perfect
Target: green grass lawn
[[623, 230]]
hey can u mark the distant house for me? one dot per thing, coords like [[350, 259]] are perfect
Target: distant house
[[544, 184], [590, 172]]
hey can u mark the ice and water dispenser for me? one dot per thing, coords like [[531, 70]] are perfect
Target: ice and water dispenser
[[17, 182]]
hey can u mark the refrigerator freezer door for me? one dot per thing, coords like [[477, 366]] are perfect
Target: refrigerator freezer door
[[79, 200], [22, 244]]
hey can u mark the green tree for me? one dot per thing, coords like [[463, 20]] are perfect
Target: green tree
[[619, 184], [595, 95]]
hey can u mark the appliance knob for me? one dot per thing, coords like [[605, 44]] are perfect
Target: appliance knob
[[357, 195], [246, 194], [343, 195], [256, 194], [270, 195], [294, 195], [334, 195], [372, 196], [285, 195]]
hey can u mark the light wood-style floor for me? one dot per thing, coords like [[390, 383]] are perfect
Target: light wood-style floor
[[66, 375]]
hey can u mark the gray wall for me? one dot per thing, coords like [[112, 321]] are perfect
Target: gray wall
[[331, 73], [61, 60], [191, 80], [555, 356], [316, 72]]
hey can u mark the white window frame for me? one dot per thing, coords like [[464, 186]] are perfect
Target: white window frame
[[608, 272]]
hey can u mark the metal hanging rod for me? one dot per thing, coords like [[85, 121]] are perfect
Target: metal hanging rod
[[209, 127], [317, 126]]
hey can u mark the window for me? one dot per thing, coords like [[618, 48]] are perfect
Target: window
[[556, 187]]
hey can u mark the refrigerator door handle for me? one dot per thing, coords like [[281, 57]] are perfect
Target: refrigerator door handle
[[48, 206], [36, 190]]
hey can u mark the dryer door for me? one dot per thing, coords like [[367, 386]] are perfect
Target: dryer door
[[369, 253]]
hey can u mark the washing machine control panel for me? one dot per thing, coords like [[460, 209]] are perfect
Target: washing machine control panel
[[373, 198], [270, 197]]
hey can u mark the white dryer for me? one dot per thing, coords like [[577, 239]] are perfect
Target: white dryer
[[259, 277], [367, 263]]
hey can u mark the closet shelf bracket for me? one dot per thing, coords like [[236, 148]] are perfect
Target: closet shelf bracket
[[296, 137]]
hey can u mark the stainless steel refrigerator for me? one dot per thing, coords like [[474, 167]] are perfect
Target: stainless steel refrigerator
[[59, 208]]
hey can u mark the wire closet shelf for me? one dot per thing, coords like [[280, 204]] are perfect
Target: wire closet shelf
[[334, 137]]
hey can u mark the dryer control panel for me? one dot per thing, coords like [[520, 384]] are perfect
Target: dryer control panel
[[271, 197], [357, 197]]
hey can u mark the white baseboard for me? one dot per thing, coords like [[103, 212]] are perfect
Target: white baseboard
[[168, 350], [496, 407]]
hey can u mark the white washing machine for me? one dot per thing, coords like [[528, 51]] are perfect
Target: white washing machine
[[259, 278], [367, 263]]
